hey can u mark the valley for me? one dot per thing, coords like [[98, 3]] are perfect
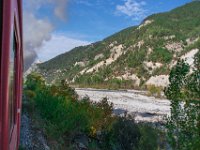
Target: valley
[[115, 94], [134, 58]]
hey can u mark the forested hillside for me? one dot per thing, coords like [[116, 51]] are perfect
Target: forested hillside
[[135, 57]]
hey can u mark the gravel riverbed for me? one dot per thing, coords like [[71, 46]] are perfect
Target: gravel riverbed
[[144, 108]]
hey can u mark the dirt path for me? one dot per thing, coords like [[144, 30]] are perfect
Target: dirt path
[[143, 107]]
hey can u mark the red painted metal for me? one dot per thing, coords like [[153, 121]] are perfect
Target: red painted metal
[[11, 23]]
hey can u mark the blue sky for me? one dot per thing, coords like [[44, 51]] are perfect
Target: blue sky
[[64, 24], [93, 20]]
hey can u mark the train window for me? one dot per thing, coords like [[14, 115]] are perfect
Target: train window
[[12, 84]]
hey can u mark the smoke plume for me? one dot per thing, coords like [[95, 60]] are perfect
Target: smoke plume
[[38, 30]]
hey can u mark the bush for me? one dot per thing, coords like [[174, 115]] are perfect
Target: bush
[[63, 113], [149, 139], [125, 135], [64, 118], [154, 90]]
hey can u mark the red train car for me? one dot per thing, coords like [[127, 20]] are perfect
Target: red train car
[[11, 68]]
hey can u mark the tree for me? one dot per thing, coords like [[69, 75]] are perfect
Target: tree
[[183, 125]]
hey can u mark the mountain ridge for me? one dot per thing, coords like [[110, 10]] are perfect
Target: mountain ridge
[[133, 57]]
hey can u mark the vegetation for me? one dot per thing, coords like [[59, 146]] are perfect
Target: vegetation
[[97, 81], [154, 90], [183, 126], [63, 119], [136, 58], [175, 26], [161, 55]]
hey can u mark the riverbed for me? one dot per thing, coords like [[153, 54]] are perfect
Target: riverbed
[[135, 103]]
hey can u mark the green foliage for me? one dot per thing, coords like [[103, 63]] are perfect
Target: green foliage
[[97, 81], [125, 134], [34, 82], [64, 118], [136, 58], [184, 93], [177, 78], [149, 139], [161, 55], [63, 113], [162, 70], [181, 23], [154, 90]]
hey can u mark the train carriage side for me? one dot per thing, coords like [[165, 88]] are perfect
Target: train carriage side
[[11, 68]]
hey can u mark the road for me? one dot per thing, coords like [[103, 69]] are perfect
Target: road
[[144, 108]]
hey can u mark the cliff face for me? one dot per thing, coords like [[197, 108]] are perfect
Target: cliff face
[[134, 57]]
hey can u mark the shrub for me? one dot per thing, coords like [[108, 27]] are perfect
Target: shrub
[[154, 90], [125, 134], [149, 138], [64, 118], [63, 113]]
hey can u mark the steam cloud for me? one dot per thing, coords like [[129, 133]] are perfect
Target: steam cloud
[[60, 9], [38, 30]]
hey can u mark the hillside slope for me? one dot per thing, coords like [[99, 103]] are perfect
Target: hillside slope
[[134, 57]]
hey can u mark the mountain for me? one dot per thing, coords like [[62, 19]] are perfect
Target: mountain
[[32, 68], [134, 57]]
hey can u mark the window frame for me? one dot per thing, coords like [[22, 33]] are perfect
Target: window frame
[[11, 22], [14, 48], [1, 34], [15, 34]]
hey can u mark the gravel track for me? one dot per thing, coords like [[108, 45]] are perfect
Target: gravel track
[[31, 138]]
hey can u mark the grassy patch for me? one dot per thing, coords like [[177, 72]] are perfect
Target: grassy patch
[[154, 90]]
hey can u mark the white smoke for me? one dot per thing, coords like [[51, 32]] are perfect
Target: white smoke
[[60, 9], [38, 30], [60, 6]]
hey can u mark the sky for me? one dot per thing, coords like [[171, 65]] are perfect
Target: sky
[[52, 27]]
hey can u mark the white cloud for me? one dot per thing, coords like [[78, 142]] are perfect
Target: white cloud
[[57, 45], [132, 8]]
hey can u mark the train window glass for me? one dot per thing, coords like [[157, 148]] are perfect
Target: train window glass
[[12, 84]]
